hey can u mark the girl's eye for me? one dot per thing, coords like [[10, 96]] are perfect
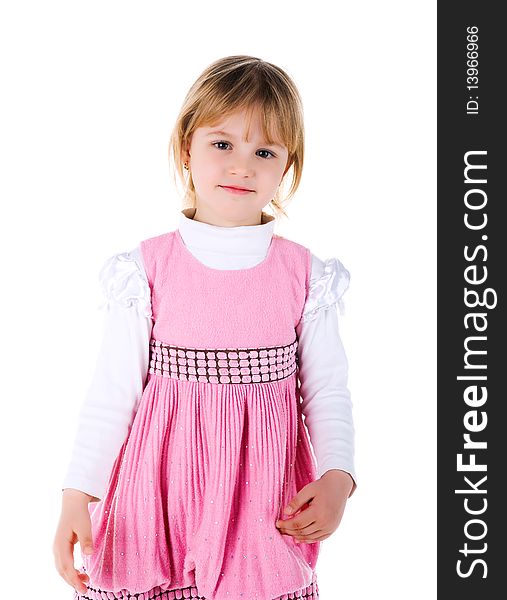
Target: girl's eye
[[215, 143], [268, 151], [227, 144]]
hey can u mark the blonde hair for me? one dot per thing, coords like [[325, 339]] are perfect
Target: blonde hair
[[242, 83]]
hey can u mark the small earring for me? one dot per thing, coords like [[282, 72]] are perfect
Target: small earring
[[186, 165]]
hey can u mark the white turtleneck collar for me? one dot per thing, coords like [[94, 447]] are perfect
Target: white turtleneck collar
[[218, 247]]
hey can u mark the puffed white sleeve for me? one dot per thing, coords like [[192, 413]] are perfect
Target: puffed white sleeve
[[113, 395], [323, 370]]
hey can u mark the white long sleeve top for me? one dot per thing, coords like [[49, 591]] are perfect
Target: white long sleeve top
[[122, 364]]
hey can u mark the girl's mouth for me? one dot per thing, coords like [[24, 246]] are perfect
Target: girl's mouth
[[234, 190]]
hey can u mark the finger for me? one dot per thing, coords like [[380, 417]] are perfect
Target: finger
[[79, 581], [86, 543], [76, 579], [84, 580], [310, 532], [301, 510], [303, 520], [304, 506], [315, 533], [318, 539], [303, 533], [84, 534], [302, 498], [65, 566]]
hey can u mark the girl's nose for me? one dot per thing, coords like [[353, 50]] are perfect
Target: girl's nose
[[241, 166]]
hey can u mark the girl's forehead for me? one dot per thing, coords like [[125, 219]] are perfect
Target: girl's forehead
[[237, 118], [239, 124]]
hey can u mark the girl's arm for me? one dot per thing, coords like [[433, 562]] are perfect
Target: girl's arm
[[118, 382], [323, 371]]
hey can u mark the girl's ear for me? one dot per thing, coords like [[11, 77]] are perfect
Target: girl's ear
[[185, 154]]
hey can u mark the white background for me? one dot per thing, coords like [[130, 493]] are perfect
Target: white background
[[90, 93]]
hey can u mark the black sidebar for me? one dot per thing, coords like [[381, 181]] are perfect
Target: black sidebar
[[472, 331]]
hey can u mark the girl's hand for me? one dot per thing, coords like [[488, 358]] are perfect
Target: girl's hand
[[74, 526], [321, 504]]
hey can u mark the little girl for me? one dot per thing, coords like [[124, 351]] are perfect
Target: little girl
[[192, 474]]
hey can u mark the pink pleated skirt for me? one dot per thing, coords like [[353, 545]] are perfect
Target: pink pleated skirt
[[200, 481]]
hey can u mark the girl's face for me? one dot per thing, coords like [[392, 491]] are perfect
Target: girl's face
[[220, 158]]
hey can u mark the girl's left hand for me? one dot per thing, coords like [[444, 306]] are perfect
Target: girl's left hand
[[321, 504]]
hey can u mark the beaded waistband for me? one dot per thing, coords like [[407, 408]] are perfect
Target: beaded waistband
[[223, 365]]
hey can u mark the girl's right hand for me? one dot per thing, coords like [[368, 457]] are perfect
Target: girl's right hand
[[74, 526]]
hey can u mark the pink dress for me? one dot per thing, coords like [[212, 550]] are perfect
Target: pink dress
[[218, 446]]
